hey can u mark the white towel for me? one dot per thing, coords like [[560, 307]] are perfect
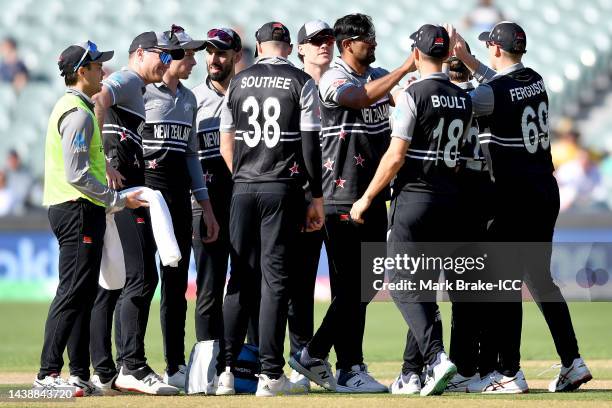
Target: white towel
[[112, 270]]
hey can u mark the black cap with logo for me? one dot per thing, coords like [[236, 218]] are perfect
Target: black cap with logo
[[313, 28], [508, 35], [79, 55], [165, 41], [272, 31], [185, 40], [223, 39], [432, 40]]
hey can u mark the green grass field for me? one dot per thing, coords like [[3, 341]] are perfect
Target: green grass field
[[21, 338]]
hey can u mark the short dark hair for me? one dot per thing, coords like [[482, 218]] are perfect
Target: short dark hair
[[457, 71], [352, 25], [71, 78]]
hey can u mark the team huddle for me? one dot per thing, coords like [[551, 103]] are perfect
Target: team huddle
[[259, 168]]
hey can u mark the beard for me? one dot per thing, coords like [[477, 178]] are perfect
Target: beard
[[370, 58], [222, 75]]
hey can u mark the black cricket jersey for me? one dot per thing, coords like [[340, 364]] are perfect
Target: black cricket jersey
[[123, 126], [435, 116], [352, 140], [518, 141], [268, 105]]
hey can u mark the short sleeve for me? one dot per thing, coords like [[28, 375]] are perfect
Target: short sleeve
[[404, 117]]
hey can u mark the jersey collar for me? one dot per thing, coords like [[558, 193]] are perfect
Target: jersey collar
[[273, 60], [81, 95], [511, 69]]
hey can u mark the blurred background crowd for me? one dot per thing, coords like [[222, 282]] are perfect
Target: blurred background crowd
[[568, 42]]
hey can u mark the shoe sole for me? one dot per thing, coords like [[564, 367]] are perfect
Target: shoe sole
[[576, 384], [281, 394], [220, 391], [440, 386], [137, 391], [132, 389], [293, 363], [506, 392], [349, 390]]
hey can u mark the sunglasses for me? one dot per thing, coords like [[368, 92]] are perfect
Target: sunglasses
[[220, 34], [90, 47], [490, 43], [325, 39], [368, 39], [164, 56]]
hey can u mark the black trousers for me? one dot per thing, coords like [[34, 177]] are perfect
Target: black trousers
[[173, 307], [130, 305], [421, 217], [265, 220], [211, 264], [79, 228], [526, 212], [472, 346], [344, 323], [302, 283]]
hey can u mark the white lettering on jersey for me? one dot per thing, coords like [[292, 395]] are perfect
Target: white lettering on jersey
[[451, 102]]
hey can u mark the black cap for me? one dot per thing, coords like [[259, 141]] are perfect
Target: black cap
[[432, 40], [185, 41], [508, 35], [312, 29], [165, 41], [272, 31], [79, 55], [223, 39]]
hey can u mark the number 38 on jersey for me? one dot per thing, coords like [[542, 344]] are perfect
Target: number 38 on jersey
[[270, 130]]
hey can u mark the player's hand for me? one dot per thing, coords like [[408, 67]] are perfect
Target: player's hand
[[359, 207], [114, 178], [409, 65], [132, 200], [212, 227], [452, 35], [315, 215]]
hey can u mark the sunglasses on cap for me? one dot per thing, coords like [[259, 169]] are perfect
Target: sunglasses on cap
[[90, 47], [164, 56], [317, 41], [220, 34]]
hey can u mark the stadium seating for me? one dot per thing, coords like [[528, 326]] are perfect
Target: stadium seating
[[562, 42]]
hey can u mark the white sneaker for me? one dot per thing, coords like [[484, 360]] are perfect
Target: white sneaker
[[89, 390], [107, 388], [177, 379], [225, 383], [460, 383], [268, 387], [409, 384], [315, 369], [358, 380], [572, 377], [299, 379], [496, 383], [438, 375], [55, 382], [144, 380]]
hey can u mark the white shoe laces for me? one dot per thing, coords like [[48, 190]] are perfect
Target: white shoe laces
[[551, 368]]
